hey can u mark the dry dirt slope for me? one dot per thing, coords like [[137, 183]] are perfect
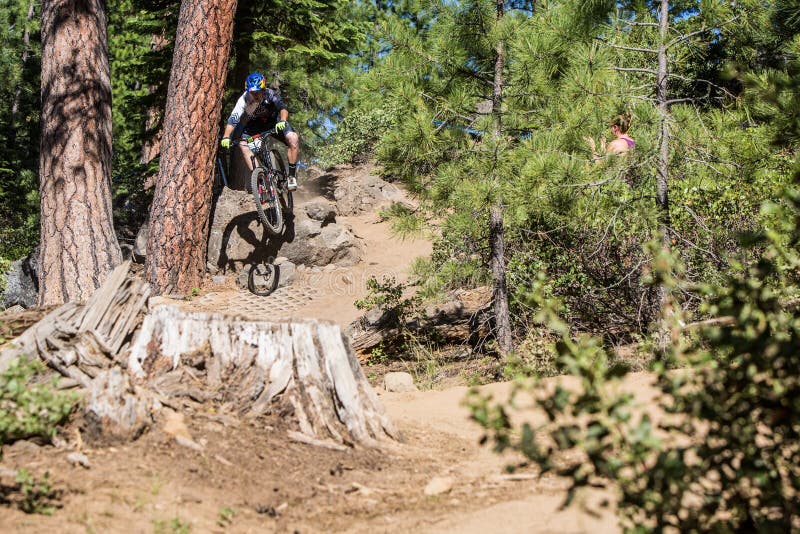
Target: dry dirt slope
[[249, 478]]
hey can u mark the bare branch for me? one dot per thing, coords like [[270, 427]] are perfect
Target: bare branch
[[633, 69], [698, 32], [679, 100], [649, 24], [628, 48]]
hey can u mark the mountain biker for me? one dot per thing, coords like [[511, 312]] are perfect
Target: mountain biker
[[259, 109]]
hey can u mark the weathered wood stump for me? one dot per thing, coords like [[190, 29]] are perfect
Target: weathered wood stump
[[309, 364], [130, 362]]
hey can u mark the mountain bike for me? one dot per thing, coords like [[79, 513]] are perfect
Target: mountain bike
[[268, 183]]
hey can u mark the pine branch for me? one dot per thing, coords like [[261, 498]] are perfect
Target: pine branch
[[701, 80]]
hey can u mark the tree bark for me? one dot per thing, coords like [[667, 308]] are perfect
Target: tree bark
[[179, 214], [78, 245], [496, 228], [662, 180]]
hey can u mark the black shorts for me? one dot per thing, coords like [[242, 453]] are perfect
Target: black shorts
[[255, 127]]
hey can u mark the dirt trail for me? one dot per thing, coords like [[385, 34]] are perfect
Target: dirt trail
[[250, 478]]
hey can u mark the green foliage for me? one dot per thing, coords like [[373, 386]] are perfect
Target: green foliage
[[582, 223], [26, 409], [5, 265], [357, 134], [225, 516], [171, 526], [37, 493], [723, 453], [19, 136]]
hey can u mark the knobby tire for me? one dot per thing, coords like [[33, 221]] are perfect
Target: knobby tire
[[267, 205], [262, 279], [287, 200]]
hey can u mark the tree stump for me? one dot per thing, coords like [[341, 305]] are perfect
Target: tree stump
[[309, 364], [129, 362]]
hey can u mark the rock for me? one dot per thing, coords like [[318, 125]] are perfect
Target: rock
[[78, 458], [286, 273], [140, 245], [237, 239], [321, 211], [439, 486], [16, 308], [241, 278], [175, 426], [218, 279], [360, 189], [399, 382], [22, 283]]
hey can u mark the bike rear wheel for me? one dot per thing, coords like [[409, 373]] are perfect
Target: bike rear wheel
[[267, 202], [262, 279], [287, 200]]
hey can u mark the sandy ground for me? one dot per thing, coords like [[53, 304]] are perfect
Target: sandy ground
[[250, 478]]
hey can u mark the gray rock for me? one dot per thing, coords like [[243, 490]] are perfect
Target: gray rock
[[439, 485], [22, 284], [241, 279], [321, 211], [78, 458], [399, 382], [140, 245], [237, 239], [219, 279], [287, 272]]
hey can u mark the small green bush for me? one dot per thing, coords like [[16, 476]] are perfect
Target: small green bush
[[30, 410]]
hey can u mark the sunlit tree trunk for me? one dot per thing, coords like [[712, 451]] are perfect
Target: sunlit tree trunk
[[496, 212], [662, 179], [78, 245], [179, 214]]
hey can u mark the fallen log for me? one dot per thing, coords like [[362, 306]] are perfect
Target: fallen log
[[465, 317]]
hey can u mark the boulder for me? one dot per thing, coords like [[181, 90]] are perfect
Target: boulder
[[360, 189], [399, 382], [22, 283], [237, 239], [140, 244], [323, 212]]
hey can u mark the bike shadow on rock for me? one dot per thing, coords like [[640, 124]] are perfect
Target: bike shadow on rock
[[265, 248]]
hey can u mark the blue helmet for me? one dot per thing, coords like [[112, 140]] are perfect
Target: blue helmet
[[255, 82]]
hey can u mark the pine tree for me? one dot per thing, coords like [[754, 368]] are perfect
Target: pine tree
[[179, 214], [78, 245]]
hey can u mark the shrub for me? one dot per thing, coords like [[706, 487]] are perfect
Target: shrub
[[726, 457], [30, 410]]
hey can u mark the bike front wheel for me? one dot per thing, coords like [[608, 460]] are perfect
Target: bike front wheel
[[262, 279], [287, 199], [267, 204]]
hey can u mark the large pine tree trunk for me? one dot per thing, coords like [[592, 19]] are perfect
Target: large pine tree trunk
[[496, 228], [78, 245], [179, 215]]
